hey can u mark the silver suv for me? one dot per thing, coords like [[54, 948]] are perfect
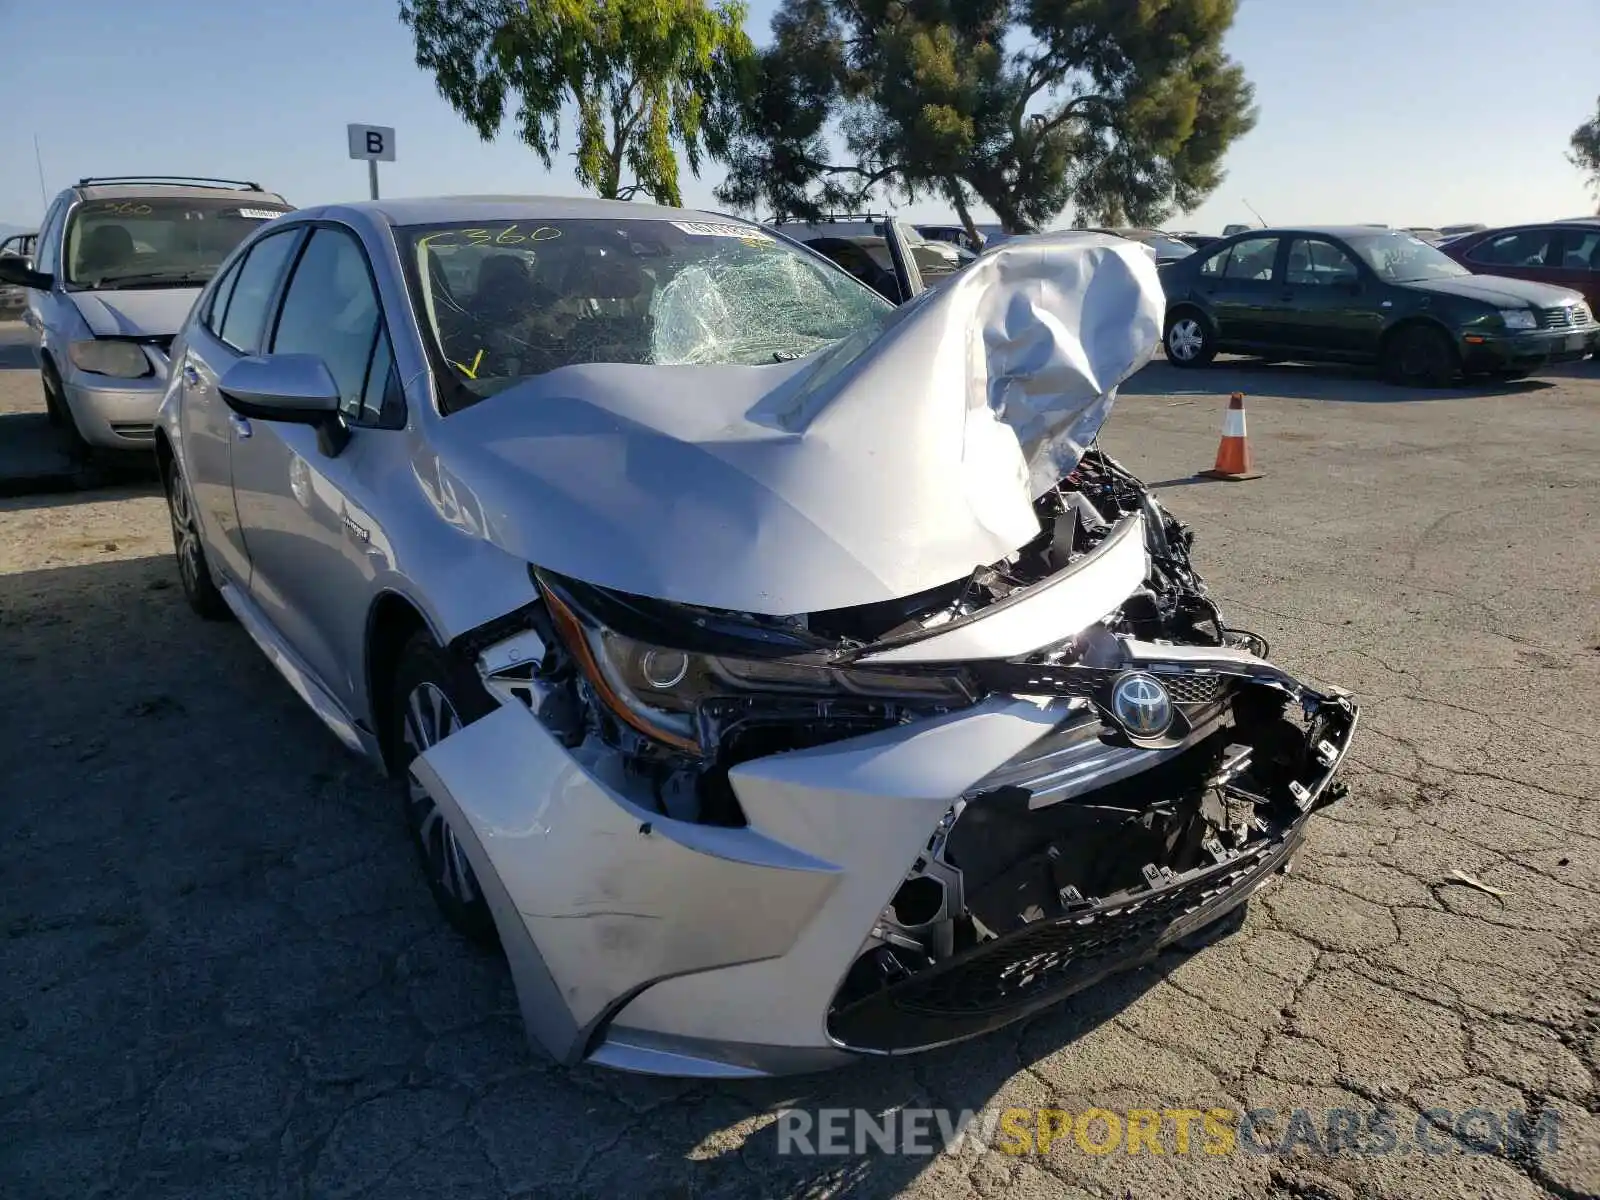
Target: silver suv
[[118, 264]]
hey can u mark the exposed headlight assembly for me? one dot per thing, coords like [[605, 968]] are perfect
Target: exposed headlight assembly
[[656, 689], [1519, 318], [122, 360]]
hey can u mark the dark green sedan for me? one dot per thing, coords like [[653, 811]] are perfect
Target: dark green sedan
[[1366, 295]]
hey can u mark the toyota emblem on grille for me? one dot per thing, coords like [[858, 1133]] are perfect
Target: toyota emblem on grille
[[1141, 703]]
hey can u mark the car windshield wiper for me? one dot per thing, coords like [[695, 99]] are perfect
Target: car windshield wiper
[[145, 277]]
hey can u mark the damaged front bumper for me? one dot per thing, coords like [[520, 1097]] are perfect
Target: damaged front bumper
[[1059, 939], [892, 891]]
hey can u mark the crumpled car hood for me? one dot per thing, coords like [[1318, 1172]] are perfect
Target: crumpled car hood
[[885, 465], [134, 312]]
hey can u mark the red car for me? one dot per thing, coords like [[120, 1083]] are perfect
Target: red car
[[1565, 253]]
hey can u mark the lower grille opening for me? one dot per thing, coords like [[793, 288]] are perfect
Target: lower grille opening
[[1016, 906]]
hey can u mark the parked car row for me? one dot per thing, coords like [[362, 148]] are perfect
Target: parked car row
[[860, 244], [1419, 303], [1365, 295]]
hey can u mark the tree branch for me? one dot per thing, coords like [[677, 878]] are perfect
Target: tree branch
[[1034, 82], [1068, 111]]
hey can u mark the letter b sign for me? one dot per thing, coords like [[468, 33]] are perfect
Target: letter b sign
[[372, 142]]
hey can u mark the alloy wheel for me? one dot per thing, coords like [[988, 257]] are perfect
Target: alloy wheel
[[428, 719], [1185, 339], [185, 533]]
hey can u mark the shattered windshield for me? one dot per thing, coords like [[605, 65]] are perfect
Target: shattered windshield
[[508, 300], [156, 241]]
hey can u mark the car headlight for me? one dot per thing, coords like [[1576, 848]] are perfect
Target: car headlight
[[656, 689], [124, 360], [1519, 318]]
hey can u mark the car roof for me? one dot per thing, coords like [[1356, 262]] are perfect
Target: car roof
[[149, 191], [1338, 231], [1480, 234], [438, 210]]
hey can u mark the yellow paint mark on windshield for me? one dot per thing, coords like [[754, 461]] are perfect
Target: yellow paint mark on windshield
[[504, 235]]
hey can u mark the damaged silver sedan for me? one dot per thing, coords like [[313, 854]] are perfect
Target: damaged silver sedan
[[777, 675]]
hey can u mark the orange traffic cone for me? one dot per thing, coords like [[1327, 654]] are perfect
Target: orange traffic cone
[[1233, 455]]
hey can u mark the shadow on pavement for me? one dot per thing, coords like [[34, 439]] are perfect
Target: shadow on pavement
[[91, 489], [15, 355], [34, 461], [221, 946], [1311, 381]]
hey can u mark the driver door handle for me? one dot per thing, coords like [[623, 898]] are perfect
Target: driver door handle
[[241, 425]]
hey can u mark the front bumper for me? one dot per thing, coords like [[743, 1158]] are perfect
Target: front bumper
[[115, 414], [1529, 351], [1014, 976], [650, 944]]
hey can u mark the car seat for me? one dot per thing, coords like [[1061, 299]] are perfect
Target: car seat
[[104, 249], [605, 285], [1300, 265], [505, 287]]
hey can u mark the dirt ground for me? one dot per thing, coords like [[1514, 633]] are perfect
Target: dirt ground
[[221, 974]]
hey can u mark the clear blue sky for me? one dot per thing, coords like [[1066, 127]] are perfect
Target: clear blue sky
[[1409, 112]]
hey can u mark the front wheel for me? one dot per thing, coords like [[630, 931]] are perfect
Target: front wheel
[[1421, 356], [194, 572], [433, 696], [60, 415], [1189, 341]]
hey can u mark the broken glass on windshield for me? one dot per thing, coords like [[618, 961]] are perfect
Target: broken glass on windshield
[[508, 300]]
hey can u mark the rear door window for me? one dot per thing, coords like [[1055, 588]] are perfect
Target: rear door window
[[1251, 258], [1313, 262], [1580, 249], [1524, 248]]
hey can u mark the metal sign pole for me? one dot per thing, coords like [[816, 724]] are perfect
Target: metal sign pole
[[372, 176]]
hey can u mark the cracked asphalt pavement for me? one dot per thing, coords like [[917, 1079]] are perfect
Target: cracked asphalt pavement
[[221, 975]]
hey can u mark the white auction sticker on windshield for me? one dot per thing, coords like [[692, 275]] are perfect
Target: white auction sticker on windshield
[[744, 233], [259, 214]]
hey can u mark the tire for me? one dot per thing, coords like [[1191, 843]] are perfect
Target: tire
[[60, 413], [1421, 356], [1188, 340], [432, 695], [194, 570], [53, 407]]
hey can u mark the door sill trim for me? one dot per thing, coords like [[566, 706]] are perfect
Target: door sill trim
[[299, 676]]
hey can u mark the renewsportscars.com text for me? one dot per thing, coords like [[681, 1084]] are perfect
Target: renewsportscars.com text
[[1180, 1131]]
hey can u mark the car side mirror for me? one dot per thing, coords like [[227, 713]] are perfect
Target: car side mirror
[[296, 388], [17, 272]]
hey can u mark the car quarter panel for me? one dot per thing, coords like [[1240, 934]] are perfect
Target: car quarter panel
[[750, 929]]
